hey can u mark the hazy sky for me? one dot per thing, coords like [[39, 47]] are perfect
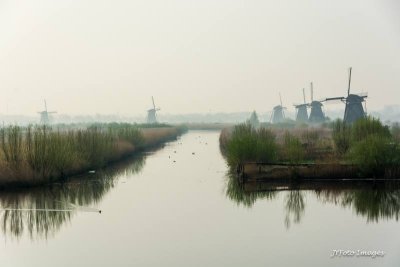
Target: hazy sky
[[88, 57]]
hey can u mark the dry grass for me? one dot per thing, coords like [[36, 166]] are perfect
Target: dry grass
[[37, 155]]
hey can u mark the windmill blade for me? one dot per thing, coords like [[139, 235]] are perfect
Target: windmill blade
[[45, 105], [280, 98], [348, 89], [312, 92], [272, 114], [365, 107], [304, 95], [339, 98], [363, 95], [152, 99]]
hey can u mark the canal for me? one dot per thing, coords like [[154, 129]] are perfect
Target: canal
[[177, 206]]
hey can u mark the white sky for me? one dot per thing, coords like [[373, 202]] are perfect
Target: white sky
[[104, 57]]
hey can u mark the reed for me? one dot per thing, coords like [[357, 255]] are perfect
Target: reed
[[341, 136], [248, 144], [292, 149], [38, 154], [368, 145]]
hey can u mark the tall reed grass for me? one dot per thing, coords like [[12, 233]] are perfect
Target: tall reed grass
[[37, 154], [249, 144]]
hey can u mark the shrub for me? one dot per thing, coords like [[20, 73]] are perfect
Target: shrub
[[365, 127], [374, 154]]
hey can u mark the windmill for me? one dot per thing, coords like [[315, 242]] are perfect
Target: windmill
[[301, 110], [354, 109], [151, 113], [316, 114], [44, 115], [278, 114]]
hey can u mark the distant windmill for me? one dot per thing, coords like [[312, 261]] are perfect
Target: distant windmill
[[278, 114], [151, 113], [316, 114], [301, 110], [44, 115], [354, 109]]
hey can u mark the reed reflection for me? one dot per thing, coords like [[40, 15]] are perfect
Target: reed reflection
[[373, 201], [236, 192], [41, 212], [375, 204]]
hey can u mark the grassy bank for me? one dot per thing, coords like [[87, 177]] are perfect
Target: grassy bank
[[40, 154], [367, 144]]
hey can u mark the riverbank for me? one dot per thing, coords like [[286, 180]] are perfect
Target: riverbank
[[33, 156], [366, 149]]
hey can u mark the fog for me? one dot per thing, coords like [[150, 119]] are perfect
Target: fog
[[195, 57]]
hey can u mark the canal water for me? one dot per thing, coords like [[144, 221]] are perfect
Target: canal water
[[177, 206]]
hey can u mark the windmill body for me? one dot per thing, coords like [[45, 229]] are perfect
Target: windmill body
[[152, 114], [278, 115], [302, 111], [354, 109], [316, 114]]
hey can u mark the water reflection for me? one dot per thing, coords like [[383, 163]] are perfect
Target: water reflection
[[41, 212], [372, 203], [294, 207], [372, 200], [236, 192]]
